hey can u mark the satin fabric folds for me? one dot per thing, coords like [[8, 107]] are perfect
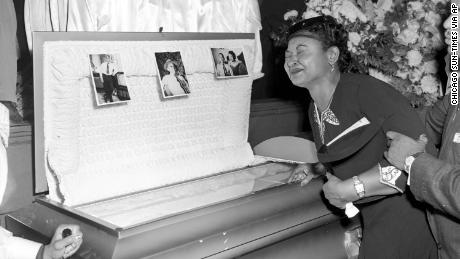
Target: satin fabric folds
[[146, 16]]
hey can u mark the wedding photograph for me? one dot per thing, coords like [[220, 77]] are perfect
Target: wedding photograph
[[172, 74], [108, 79], [229, 62]]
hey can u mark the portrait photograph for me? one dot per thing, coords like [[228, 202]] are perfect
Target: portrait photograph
[[108, 78], [172, 75], [229, 62]]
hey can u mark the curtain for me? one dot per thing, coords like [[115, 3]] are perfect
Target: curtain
[[146, 16], [8, 52]]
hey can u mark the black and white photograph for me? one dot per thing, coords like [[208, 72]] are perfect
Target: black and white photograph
[[251, 129], [172, 74], [109, 82], [229, 62]]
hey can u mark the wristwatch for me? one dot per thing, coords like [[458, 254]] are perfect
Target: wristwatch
[[409, 160], [359, 187]]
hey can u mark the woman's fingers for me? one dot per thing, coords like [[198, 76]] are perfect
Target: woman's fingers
[[307, 179], [302, 174]]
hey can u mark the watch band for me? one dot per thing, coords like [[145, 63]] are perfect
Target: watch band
[[359, 187], [409, 160]]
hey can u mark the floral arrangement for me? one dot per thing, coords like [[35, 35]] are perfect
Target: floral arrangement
[[396, 41]]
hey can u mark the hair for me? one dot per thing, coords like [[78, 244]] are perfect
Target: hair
[[166, 64], [223, 57], [232, 54], [326, 30], [183, 82]]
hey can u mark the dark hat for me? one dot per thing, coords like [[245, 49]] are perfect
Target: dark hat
[[309, 26]]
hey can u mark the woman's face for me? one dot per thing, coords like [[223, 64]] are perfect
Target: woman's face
[[171, 68], [305, 61]]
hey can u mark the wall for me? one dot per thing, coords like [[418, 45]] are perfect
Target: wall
[[275, 83]]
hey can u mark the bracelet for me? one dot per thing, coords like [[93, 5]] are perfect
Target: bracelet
[[409, 160]]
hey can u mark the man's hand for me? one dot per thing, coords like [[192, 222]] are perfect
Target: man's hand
[[303, 173], [402, 146], [60, 247], [337, 192]]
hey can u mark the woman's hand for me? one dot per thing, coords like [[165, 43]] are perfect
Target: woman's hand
[[338, 192], [63, 247], [302, 174]]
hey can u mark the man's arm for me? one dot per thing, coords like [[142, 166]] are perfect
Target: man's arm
[[433, 181], [437, 183], [435, 120], [60, 247]]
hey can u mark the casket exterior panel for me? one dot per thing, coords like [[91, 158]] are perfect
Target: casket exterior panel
[[224, 230]]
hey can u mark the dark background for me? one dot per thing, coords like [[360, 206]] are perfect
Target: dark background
[[275, 83]]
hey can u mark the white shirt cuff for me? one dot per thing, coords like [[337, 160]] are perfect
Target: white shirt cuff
[[20, 248]]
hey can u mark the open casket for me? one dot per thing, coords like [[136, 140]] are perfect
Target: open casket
[[158, 177]]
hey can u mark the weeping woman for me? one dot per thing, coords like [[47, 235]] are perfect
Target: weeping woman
[[350, 114]]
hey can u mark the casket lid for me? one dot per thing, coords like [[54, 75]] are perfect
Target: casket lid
[[53, 72]]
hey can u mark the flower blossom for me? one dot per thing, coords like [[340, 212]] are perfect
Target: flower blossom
[[292, 14], [326, 12], [384, 5], [429, 84], [430, 67], [414, 57], [432, 38], [440, 1], [433, 18], [349, 11], [396, 58], [409, 35], [415, 75], [416, 8], [402, 74], [354, 38], [309, 14], [315, 3], [418, 90], [380, 26], [396, 50], [395, 28], [379, 75]]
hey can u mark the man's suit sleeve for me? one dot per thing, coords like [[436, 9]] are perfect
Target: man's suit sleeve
[[436, 119], [437, 183], [12, 247]]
